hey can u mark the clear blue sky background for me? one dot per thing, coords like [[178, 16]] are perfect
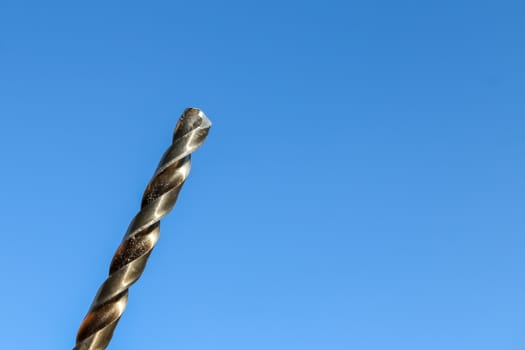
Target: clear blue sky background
[[362, 186]]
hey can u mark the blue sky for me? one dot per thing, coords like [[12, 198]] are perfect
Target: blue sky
[[362, 186]]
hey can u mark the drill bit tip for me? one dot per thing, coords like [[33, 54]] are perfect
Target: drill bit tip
[[192, 119]]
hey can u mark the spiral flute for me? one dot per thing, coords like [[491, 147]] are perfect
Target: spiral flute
[[131, 257]]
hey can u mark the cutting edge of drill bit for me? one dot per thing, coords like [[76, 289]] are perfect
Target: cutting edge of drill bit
[[129, 261]]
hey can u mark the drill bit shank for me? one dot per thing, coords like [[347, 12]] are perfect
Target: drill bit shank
[[131, 257]]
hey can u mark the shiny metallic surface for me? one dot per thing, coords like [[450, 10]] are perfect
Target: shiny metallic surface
[[131, 257]]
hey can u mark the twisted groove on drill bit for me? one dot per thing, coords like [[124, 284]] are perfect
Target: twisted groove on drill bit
[[131, 256]]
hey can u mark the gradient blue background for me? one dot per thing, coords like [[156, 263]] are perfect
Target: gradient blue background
[[362, 186]]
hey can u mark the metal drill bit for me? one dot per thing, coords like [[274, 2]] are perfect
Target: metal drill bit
[[130, 259]]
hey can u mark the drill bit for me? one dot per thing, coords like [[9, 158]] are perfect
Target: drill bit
[[131, 256]]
